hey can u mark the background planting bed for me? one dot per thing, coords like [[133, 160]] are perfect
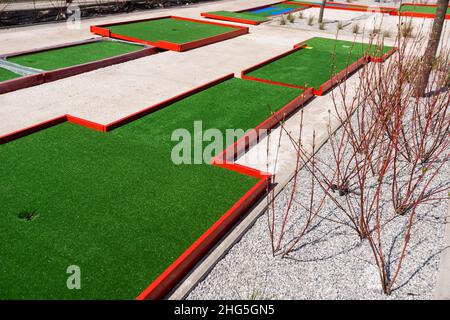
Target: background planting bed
[[57, 62], [170, 33], [256, 15], [420, 10], [116, 205], [317, 63]]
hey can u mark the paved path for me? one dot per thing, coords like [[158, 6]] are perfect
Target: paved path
[[442, 290]]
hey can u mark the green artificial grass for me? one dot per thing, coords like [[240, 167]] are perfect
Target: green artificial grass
[[420, 9], [7, 75], [274, 9], [114, 203], [240, 15], [170, 30], [313, 66], [74, 55]]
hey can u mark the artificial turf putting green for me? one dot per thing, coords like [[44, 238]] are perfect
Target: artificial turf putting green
[[169, 29], [240, 15], [313, 66], [274, 10], [420, 9], [74, 55], [114, 203], [7, 75]]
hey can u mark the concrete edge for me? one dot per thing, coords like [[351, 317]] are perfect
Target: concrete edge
[[442, 288]]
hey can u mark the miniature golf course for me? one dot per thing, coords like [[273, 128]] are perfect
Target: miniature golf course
[[74, 55], [114, 203], [314, 65], [7, 75], [172, 33], [257, 15]]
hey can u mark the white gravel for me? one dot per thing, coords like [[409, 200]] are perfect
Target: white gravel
[[330, 262], [367, 22]]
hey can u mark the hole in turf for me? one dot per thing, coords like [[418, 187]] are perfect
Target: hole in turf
[[27, 215]]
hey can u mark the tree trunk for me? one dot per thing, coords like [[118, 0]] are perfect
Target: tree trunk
[[322, 7], [431, 49]]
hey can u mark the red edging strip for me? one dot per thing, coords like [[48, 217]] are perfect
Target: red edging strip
[[102, 30], [49, 76], [384, 57], [341, 76], [178, 269]]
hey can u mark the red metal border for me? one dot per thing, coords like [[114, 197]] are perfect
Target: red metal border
[[21, 82], [418, 14], [49, 76], [341, 76], [178, 269], [179, 47], [384, 57]]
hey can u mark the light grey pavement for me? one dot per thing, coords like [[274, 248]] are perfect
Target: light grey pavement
[[442, 290]]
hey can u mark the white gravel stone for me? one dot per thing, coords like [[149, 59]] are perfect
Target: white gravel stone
[[330, 262]]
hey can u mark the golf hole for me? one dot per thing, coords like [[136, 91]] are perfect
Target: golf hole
[[27, 215]]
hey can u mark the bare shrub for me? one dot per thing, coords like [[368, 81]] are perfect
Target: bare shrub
[[390, 147]]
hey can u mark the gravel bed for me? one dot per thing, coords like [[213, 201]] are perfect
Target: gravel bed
[[330, 262], [343, 22]]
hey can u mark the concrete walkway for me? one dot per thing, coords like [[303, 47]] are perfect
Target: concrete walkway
[[442, 290]]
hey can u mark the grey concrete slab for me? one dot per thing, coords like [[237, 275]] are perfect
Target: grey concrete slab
[[442, 290]]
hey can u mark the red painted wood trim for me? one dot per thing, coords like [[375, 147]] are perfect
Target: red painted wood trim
[[384, 57], [21, 83], [32, 129]]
